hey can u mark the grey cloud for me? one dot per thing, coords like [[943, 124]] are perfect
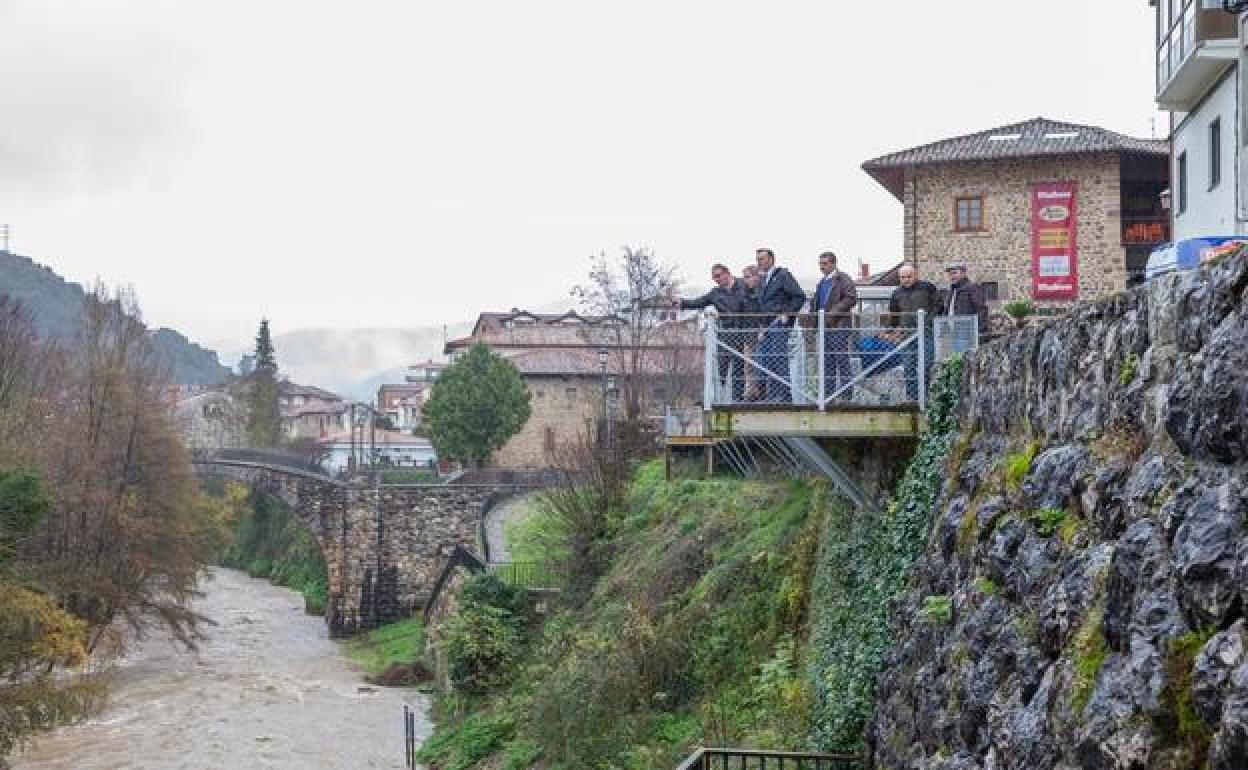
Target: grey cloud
[[85, 104]]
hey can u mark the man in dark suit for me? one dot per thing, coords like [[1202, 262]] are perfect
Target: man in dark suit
[[836, 297], [780, 299], [904, 305], [729, 300]]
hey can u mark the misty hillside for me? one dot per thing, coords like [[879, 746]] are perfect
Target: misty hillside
[[353, 362], [56, 307]]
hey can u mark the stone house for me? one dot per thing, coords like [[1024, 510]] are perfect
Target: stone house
[[570, 362], [990, 200], [308, 412]]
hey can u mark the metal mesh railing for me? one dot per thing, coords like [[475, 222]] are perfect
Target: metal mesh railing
[[828, 361]]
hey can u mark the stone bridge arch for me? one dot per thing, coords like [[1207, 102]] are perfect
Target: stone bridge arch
[[384, 545]]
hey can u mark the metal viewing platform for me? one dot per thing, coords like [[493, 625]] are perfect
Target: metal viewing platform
[[783, 382]]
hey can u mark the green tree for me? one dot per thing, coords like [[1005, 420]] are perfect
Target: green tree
[[35, 634], [477, 404], [24, 501], [264, 423]]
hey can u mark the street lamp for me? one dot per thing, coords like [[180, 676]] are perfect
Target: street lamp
[[602, 365]]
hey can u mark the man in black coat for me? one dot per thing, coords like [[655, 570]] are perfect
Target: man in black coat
[[964, 297], [728, 297], [907, 300], [837, 297], [780, 299]]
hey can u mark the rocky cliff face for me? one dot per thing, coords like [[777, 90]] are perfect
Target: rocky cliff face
[[1081, 603]]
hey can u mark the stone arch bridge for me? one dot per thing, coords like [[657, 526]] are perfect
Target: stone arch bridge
[[384, 545]]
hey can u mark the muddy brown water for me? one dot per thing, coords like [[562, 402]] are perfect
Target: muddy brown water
[[266, 689]]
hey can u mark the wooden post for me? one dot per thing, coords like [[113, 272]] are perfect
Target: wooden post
[[667, 461], [710, 459]]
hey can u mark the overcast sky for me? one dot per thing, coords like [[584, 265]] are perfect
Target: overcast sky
[[409, 162]]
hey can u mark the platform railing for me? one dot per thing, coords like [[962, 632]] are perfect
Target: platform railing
[[828, 361], [751, 759]]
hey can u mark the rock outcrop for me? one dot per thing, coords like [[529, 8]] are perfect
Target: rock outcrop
[[1091, 545]]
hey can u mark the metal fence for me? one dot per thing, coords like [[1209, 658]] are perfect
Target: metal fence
[[532, 575], [828, 361], [749, 759]]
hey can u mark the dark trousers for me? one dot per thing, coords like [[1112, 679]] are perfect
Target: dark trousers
[[732, 368], [838, 364], [773, 354]]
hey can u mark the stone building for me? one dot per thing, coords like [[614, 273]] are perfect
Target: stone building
[[212, 420], [558, 356], [985, 198], [308, 412]]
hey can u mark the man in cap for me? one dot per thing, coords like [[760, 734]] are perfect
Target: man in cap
[[964, 297]]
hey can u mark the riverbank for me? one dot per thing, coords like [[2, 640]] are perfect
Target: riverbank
[[267, 688]]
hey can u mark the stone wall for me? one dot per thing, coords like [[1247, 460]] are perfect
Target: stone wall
[[566, 407], [1002, 252], [383, 545], [1090, 548]]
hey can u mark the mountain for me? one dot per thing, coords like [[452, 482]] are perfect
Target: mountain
[[56, 307]]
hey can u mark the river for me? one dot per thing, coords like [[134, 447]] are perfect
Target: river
[[266, 689]]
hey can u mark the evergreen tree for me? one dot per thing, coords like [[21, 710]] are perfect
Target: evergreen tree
[[264, 426], [477, 404]]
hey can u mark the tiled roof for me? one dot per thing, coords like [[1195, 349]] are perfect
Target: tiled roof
[[1038, 137]]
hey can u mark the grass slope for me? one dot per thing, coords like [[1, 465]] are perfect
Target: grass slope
[[695, 635]]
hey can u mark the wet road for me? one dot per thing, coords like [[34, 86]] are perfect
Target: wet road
[[266, 689]]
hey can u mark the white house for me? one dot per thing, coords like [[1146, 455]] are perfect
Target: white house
[[390, 448], [1200, 72]]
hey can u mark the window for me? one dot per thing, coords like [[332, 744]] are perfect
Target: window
[[1215, 152], [1182, 179], [968, 214], [540, 393], [570, 393], [548, 438]]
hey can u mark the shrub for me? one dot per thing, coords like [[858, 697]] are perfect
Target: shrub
[[1130, 365], [1017, 466], [937, 609], [1090, 650], [1178, 721], [1048, 520], [1020, 308]]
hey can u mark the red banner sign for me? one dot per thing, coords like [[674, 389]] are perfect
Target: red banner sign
[[1054, 258]]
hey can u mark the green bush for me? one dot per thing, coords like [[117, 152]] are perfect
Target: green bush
[[402, 643], [482, 640], [1048, 520], [937, 609], [1017, 466], [269, 541], [462, 745]]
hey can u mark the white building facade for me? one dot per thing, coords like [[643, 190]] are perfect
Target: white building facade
[[1200, 61]]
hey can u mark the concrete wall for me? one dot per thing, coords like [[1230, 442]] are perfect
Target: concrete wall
[[1002, 251]]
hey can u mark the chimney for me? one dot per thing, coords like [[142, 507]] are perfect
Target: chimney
[[864, 270]]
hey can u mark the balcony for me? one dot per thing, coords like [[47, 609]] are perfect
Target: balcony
[[1198, 46]]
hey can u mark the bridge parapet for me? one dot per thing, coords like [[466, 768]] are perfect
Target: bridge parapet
[[383, 544]]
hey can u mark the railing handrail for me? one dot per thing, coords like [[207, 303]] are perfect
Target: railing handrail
[[696, 760]]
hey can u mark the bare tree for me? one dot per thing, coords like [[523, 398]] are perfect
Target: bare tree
[[648, 351]]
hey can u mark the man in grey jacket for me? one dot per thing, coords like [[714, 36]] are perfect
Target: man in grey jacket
[[780, 299], [964, 297], [728, 297], [836, 297]]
